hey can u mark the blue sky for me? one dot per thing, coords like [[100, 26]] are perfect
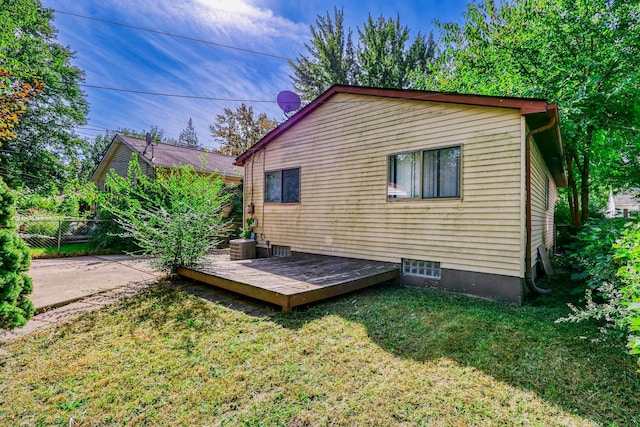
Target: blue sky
[[124, 58]]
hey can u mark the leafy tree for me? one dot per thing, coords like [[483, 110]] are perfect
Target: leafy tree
[[238, 130], [176, 217], [188, 136], [331, 60], [45, 142], [380, 59], [607, 256], [157, 134], [15, 258], [92, 154], [14, 94], [384, 60], [581, 54]]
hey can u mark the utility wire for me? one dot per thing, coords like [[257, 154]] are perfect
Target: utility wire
[[173, 95], [172, 35]]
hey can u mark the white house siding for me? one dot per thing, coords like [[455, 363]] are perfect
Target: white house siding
[[542, 218], [342, 149], [119, 160]]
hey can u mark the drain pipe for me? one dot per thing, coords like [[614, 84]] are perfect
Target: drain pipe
[[528, 141]]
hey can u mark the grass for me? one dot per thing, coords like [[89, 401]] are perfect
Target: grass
[[385, 356], [75, 249]]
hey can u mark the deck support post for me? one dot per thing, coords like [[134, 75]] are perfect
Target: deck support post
[[286, 309]]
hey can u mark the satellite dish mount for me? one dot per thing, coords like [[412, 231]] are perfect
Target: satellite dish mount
[[149, 142], [288, 102]]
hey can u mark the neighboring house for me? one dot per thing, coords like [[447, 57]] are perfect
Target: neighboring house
[[458, 189], [621, 205], [118, 155]]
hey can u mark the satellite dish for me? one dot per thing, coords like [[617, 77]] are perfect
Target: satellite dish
[[288, 101]]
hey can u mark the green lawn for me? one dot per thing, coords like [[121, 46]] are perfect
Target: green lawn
[[76, 249], [386, 356]]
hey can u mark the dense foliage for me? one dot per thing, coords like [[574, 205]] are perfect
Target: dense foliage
[[14, 95], [15, 285], [237, 130], [607, 260], [46, 149], [382, 57], [175, 217], [582, 55]]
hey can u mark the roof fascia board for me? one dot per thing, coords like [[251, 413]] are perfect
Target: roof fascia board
[[99, 171], [525, 105]]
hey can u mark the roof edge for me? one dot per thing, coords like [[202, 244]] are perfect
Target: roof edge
[[525, 105], [107, 155]]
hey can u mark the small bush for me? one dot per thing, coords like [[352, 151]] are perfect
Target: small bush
[[42, 227], [607, 262], [107, 234], [15, 258], [176, 217]]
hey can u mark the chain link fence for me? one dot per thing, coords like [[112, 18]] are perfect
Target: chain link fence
[[55, 232]]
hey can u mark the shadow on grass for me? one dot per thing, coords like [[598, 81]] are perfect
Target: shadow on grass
[[521, 346]]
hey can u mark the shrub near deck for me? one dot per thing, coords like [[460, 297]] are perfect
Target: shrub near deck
[[386, 356]]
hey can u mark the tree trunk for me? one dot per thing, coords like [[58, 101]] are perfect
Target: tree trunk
[[584, 187], [572, 195], [584, 174]]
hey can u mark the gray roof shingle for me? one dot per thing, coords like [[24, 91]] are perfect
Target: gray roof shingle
[[166, 155]]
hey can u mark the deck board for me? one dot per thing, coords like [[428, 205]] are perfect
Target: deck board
[[294, 280]]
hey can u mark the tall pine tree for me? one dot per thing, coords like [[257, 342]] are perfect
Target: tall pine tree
[[383, 57], [188, 136]]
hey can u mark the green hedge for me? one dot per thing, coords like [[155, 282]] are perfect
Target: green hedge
[[606, 258]]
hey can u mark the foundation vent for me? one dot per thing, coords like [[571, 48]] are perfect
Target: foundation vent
[[277, 250], [414, 267]]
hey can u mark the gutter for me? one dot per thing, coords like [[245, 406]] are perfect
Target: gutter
[[528, 141]]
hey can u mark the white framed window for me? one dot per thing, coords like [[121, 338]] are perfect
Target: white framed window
[[429, 174], [428, 269]]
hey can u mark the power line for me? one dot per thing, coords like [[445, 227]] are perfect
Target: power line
[[164, 33], [174, 95], [92, 127]]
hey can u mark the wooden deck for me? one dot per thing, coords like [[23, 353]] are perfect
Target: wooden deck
[[295, 280]]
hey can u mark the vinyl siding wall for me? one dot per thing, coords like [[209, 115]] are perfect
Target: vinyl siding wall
[[342, 151], [119, 162], [542, 217]]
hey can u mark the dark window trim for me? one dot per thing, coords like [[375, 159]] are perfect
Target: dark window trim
[[547, 192], [280, 202]]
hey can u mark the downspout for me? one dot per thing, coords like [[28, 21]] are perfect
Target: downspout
[[528, 278]]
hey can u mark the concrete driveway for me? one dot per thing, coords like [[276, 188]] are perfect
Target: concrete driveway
[[59, 281]]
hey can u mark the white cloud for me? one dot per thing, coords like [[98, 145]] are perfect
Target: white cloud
[[125, 58], [233, 19]]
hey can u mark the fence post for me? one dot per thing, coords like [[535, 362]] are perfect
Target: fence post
[[59, 234]]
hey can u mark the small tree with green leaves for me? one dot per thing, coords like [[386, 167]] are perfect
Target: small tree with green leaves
[[15, 258], [175, 218], [607, 256], [237, 130]]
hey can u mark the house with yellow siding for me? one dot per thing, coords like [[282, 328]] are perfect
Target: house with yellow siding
[[458, 190]]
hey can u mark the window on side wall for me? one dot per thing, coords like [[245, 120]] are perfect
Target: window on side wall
[[430, 174], [282, 186], [546, 193]]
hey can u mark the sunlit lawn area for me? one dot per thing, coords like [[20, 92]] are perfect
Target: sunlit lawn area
[[76, 249], [386, 356]]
